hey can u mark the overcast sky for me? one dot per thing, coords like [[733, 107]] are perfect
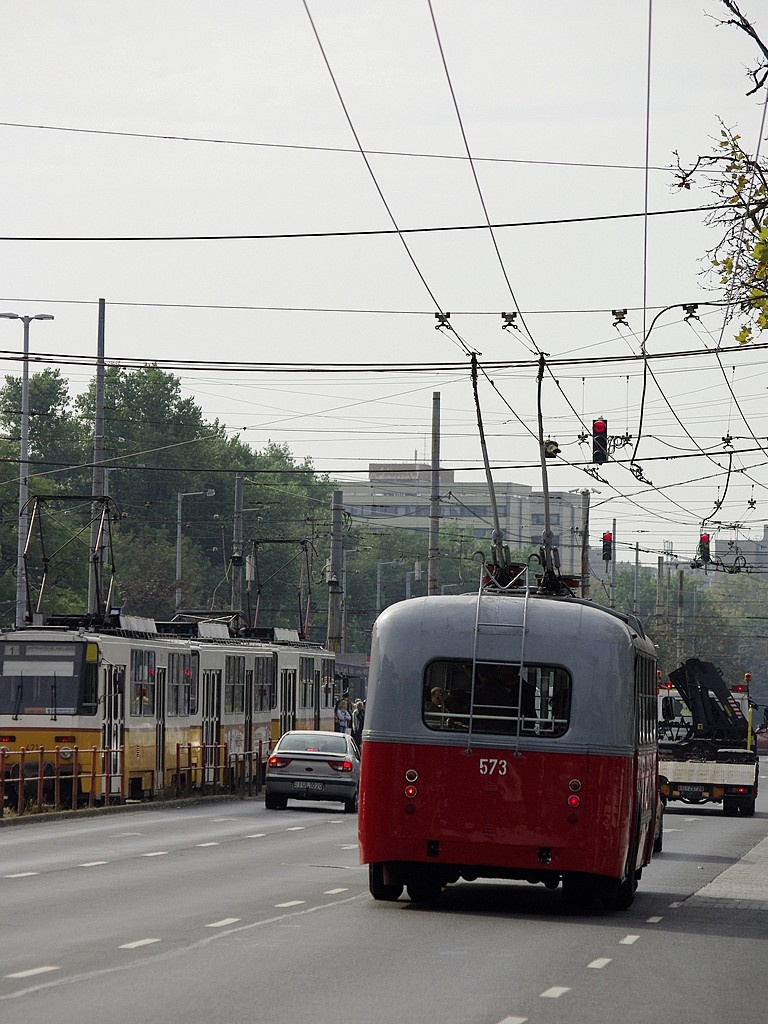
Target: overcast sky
[[184, 118]]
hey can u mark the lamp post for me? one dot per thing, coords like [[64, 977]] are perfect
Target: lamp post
[[21, 589], [208, 493]]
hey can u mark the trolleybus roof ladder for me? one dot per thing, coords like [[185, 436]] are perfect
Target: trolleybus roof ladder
[[496, 627]]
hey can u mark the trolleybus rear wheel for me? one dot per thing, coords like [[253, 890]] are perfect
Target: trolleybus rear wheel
[[381, 890]]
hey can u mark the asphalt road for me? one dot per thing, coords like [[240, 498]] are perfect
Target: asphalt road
[[229, 912]]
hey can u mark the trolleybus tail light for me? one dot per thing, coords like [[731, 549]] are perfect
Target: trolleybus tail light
[[410, 791], [278, 762], [574, 800], [340, 766]]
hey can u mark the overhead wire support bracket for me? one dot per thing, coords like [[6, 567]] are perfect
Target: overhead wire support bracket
[[442, 320]]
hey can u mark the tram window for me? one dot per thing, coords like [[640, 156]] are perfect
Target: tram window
[[538, 704], [234, 685], [90, 701], [142, 683], [328, 672], [306, 682], [180, 685], [261, 677]]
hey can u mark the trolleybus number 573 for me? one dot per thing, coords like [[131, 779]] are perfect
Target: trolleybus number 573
[[492, 766]]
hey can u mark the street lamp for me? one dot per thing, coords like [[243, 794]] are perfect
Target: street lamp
[[209, 493], [21, 594]]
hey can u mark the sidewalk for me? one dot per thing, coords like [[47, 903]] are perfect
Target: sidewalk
[[745, 883]]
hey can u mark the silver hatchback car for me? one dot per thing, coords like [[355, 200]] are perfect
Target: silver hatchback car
[[307, 765]]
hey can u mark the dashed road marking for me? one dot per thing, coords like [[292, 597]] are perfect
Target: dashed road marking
[[223, 819], [653, 920], [295, 828], [207, 844], [601, 962], [555, 992], [677, 903], [628, 940], [256, 835], [137, 943], [348, 846], [32, 972], [513, 1020], [291, 903], [122, 835], [334, 892], [156, 853], [223, 923], [22, 874], [93, 863]]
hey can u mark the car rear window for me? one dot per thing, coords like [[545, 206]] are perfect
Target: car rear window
[[333, 743]]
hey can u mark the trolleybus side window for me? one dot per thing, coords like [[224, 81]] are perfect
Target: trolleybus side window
[[536, 705], [234, 684], [645, 689], [142, 683]]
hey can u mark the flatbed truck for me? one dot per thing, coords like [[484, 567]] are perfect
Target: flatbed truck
[[707, 750]]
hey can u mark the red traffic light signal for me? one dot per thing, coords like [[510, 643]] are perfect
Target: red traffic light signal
[[607, 547], [600, 440], [704, 548]]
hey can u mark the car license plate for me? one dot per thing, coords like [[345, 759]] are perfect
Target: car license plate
[[302, 784]]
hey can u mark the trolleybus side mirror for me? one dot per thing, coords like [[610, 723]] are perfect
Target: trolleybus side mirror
[[667, 708]]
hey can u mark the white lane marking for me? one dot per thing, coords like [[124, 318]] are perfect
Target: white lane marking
[[156, 853], [256, 835], [673, 829], [223, 819], [555, 992], [295, 828], [207, 844], [513, 1020], [137, 943], [22, 874], [677, 903], [290, 903], [121, 835], [693, 819], [653, 920], [32, 972], [601, 962], [334, 892], [223, 923], [628, 940], [93, 863], [348, 846]]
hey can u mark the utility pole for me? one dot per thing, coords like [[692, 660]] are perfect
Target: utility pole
[[96, 563], [334, 576], [433, 558], [613, 567], [585, 543], [236, 602]]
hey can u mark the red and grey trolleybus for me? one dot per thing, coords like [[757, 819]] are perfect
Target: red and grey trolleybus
[[509, 735]]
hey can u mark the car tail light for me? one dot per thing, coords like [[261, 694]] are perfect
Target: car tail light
[[278, 762], [340, 766]]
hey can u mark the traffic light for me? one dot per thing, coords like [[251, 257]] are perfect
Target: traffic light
[[600, 440], [607, 547], [704, 548]]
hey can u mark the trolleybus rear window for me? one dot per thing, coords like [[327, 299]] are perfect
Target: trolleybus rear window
[[534, 703]]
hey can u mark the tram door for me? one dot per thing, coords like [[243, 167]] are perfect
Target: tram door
[[248, 727], [159, 728], [287, 699], [113, 726], [211, 724]]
